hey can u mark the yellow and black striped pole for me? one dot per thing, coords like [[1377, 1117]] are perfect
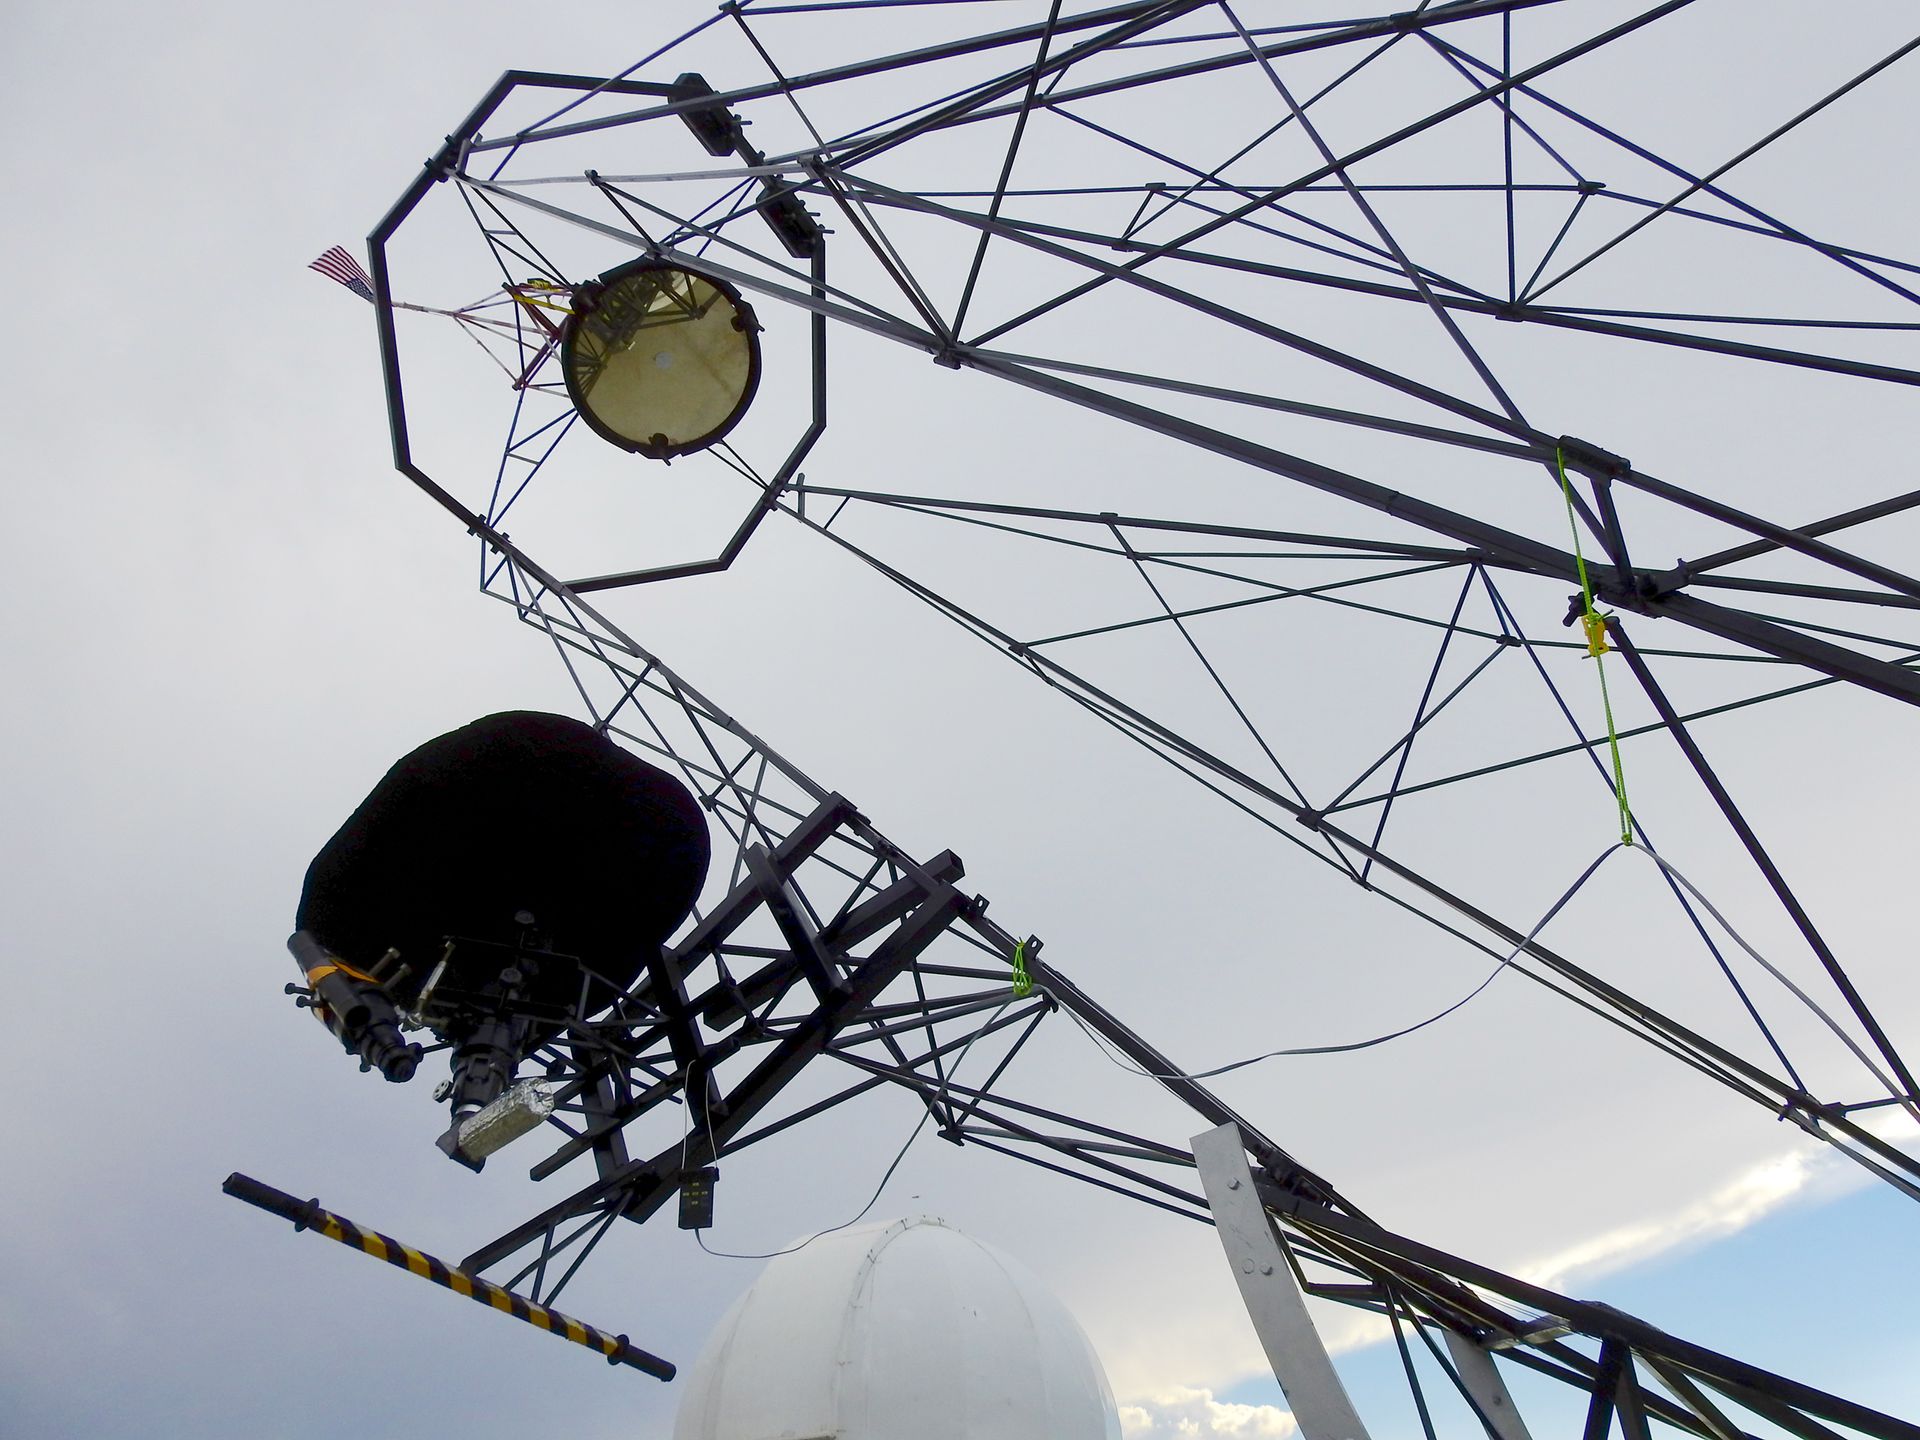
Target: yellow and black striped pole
[[307, 1215]]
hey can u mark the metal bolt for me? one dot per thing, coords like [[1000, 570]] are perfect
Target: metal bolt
[[1266, 1269], [1233, 1184], [1246, 1267]]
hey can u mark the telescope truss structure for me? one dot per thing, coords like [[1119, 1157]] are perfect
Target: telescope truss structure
[[830, 942]]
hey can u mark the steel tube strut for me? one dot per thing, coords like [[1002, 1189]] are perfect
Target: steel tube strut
[[1590, 1318], [1501, 547], [1802, 921], [1403, 1274]]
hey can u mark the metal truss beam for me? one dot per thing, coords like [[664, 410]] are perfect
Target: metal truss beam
[[639, 1188], [806, 995], [1625, 1334], [1501, 547], [1274, 1300], [1482, 1314]]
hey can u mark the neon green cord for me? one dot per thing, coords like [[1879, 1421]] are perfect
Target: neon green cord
[[1022, 981], [1594, 624]]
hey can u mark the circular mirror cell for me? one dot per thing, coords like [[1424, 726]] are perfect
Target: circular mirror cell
[[660, 360]]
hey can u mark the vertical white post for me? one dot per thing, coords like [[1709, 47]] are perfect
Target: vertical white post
[[1482, 1379], [1272, 1296]]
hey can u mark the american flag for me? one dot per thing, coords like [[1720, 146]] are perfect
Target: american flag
[[339, 266]]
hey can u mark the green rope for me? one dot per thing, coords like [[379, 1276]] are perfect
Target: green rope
[[1595, 626], [1022, 981]]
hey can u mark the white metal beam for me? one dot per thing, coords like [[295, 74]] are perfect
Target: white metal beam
[[1484, 1383], [1272, 1296]]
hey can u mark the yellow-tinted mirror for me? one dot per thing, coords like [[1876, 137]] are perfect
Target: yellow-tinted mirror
[[660, 360]]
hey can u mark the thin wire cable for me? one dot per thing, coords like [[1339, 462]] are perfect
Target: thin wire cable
[[1508, 959], [1897, 1097], [1905, 1102], [872, 1200]]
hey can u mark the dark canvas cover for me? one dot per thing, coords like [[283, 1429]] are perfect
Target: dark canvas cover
[[520, 811]]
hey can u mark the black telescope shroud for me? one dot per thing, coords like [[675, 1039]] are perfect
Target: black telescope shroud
[[519, 813]]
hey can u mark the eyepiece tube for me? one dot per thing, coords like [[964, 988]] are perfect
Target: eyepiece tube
[[353, 1006]]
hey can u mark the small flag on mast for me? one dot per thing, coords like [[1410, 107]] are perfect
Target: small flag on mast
[[337, 265]]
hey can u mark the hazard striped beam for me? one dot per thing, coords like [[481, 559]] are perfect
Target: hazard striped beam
[[308, 1215]]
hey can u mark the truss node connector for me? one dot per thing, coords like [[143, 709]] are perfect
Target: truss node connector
[[1652, 587], [1590, 459], [713, 125], [1280, 1184], [722, 133], [793, 226], [792, 223], [1803, 1109], [445, 161], [307, 1215], [1538, 1330]]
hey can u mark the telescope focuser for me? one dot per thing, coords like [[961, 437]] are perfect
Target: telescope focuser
[[354, 1006]]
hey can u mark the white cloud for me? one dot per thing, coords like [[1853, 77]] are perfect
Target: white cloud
[[1183, 1413], [1796, 1177]]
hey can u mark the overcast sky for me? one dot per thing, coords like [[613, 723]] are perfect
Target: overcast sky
[[230, 616]]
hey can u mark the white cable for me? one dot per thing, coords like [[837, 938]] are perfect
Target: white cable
[[1508, 959], [1905, 1102], [952, 1072]]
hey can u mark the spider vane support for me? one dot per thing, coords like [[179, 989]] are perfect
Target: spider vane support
[[1165, 219]]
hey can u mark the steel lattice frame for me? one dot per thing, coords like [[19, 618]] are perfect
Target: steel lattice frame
[[832, 942]]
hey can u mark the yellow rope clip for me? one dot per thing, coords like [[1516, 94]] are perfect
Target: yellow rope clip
[[1595, 624]]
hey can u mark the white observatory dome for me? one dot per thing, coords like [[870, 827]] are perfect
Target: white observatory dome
[[905, 1330]]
